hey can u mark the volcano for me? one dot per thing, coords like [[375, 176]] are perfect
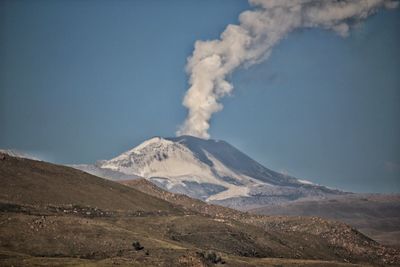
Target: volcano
[[210, 170]]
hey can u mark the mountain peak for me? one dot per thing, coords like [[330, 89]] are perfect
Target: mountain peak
[[157, 140], [207, 169]]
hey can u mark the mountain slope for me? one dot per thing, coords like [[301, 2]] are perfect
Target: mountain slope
[[17, 153], [209, 170], [339, 236], [375, 215], [184, 201], [54, 215], [25, 181]]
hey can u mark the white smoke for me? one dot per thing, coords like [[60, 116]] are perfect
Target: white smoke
[[251, 42]]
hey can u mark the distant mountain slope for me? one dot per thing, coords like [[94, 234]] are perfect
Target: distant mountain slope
[[209, 170]]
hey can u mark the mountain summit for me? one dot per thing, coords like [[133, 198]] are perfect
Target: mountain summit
[[211, 170]]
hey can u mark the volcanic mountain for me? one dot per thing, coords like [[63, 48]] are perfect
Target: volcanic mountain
[[210, 170]]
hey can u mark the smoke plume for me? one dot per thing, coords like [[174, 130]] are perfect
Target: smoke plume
[[251, 42]]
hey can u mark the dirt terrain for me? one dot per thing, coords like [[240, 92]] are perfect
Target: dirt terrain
[[53, 215], [375, 215]]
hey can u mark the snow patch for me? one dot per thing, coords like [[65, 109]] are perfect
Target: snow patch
[[232, 191], [305, 181], [155, 140]]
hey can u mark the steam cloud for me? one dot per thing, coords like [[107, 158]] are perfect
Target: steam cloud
[[251, 42]]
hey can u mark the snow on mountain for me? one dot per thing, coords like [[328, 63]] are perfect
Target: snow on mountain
[[210, 170], [305, 181], [104, 173], [178, 167]]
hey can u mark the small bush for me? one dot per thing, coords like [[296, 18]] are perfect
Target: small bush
[[211, 257], [137, 246]]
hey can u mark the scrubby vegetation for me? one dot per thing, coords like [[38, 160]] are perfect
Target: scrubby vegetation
[[137, 246], [211, 257]]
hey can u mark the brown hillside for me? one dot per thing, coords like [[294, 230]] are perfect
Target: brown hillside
[[55, 216], [25, 181], [375, 215], [344, 239]]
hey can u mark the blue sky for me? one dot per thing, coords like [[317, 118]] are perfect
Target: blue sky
[[86, 80]]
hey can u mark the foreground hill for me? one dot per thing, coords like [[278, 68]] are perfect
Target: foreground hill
[[25, 181], [210, 170], [54, 215], [337, 234], [375, 215]]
